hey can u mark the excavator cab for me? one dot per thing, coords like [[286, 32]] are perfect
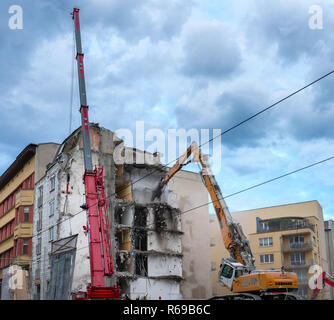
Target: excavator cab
[[230, 269]]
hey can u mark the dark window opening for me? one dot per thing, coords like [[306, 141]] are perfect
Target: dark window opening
[[118, 215], [141, 265], [140, 219], [123, 262], [160, 221], [140, 238]]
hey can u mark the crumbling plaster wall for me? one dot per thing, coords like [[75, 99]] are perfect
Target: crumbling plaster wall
[[102, 145], [69, 218]]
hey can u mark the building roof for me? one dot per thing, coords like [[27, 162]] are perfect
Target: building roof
[[27, 153], [279, 205]]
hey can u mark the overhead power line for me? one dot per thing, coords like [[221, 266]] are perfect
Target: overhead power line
[[269, 107], [264, 182], [228, 196], [232, 128], [224, 132]]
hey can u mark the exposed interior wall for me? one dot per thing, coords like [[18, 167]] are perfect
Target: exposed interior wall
[[45, 153], [148, 250]]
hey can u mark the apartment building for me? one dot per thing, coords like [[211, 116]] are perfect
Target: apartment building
[[16, 209], [290, 236], [155, 247]]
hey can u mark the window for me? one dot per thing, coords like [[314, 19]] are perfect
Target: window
[[212, 242], [38, 270], [39, 221], [40, 191], [238, 273], [264, 226], [227, 271], [26, 214], [25, 245], [297, 258], [267, 258], [296, 241], [266, 242], [52, 208], [40, 196], [51, 234], [52, 183], [39, 246], [213, 265], [300, 223]]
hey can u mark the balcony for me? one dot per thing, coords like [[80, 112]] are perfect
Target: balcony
[[24, 197], [304, 246], [23, 230], [299, 264], [283, 224], [23, 260]]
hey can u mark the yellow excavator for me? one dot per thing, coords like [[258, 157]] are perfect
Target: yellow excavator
[[237, 273]]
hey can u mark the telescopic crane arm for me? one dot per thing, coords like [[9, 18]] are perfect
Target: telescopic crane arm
[[233, 237], [100, 250]]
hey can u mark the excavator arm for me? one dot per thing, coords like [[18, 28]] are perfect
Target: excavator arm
[[233, 237], [173, 170]]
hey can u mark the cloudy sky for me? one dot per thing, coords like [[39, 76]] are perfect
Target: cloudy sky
[[192, 64]]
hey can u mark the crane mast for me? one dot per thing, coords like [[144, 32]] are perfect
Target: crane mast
[[100, 250]]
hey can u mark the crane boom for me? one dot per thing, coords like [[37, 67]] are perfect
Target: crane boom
[[100, 250]]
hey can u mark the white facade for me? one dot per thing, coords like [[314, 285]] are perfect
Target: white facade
[[46, 215]]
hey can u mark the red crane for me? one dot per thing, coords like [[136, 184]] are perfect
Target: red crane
[[100, 250]]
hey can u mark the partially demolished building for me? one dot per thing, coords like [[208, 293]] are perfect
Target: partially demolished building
[[150, 257]]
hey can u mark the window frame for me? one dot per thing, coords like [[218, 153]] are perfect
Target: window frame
[[52, 183], [25, 244], [267, 243], [300, 260], [51, 234], [26, 212], [263, 258], [39, 246], [52, 205]]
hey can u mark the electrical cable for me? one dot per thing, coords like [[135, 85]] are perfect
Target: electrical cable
[[233, 127]]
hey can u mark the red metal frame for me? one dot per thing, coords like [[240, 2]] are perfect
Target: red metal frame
[[100, 249]]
